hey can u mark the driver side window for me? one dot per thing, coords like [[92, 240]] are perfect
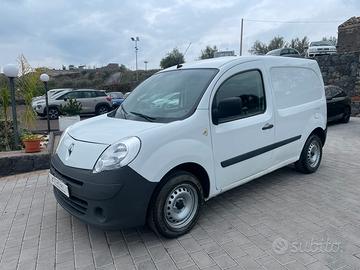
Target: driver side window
[[240, 96]]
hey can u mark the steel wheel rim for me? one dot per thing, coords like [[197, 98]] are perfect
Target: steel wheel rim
[[53, 113], [102, 110], [313, 154], [180, 206]]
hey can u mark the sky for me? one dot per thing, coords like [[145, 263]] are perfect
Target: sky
[[53, 33]]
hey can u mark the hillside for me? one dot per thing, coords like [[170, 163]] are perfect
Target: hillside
[[108, 78]]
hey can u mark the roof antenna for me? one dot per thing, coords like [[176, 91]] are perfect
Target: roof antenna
[[180, 65]]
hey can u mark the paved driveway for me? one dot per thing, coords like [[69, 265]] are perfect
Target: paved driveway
[[284, 220]]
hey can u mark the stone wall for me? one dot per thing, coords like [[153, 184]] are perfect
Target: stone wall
[[349, 36], [343, 70]]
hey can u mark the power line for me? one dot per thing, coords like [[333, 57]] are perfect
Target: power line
[[305, 22]]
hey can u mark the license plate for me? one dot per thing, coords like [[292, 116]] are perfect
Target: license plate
[[60, 185]]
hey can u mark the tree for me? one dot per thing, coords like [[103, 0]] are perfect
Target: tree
[[300, 44], [261, 48], [208, 52], [332, 39], [172, 58], [277, 43]]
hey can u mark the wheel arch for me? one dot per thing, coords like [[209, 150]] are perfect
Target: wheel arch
[[320, 133], [193, 168]]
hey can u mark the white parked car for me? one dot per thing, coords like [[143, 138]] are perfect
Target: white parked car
[[50, 94], [92, 101], [235, 119], [320, 48]]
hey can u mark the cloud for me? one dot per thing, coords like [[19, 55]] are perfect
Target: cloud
[[58, 32]]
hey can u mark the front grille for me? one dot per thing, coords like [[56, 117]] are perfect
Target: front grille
[[72, 203], [66, 178]]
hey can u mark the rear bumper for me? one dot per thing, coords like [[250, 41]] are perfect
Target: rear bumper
[[109, 200]]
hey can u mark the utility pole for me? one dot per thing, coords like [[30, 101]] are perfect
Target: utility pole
[[241, 36], [136, 39]]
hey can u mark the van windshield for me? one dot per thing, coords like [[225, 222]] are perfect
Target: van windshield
[[166, 96]]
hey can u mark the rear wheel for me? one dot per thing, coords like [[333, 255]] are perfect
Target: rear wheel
[[102, 109], [175, 208], [346, 116], [53, 113], [311, 155]]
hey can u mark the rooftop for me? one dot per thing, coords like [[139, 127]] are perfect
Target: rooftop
[[352, 21], [221, 62]]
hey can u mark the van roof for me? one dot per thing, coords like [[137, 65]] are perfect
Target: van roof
[[235, 60]]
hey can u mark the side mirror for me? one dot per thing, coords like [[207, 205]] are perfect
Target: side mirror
[[227, 108], [65, 99]]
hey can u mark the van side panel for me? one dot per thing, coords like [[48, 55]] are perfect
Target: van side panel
[[300, 104]]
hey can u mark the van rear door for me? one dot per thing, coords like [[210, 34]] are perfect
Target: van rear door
[[242, 125]]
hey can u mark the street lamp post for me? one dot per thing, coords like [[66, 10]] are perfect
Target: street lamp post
[[12, 71], [45, 78], [146, 62], [136, 40]]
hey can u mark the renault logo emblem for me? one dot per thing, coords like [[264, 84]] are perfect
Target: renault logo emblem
[[70, 149]]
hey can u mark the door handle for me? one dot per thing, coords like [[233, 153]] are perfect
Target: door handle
[[267, 126]]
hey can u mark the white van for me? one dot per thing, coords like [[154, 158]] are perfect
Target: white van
[[220, 123]]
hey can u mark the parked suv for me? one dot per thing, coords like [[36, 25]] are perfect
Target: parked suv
[[221, 122], [92, 101], [320, 48], [50, 94]]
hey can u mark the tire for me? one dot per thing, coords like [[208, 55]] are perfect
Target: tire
[[101, 109], [53, 113], [346, 116], [175, 208], [311, 155]]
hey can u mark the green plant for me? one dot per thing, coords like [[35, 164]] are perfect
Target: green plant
[[28, 83], [28, 136], [71, 107]]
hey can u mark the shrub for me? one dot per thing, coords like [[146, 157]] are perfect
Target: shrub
[[28, 136], [6, 136], [71, 107]]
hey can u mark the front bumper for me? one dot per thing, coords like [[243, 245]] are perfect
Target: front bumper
[[111, 199], [316, 53]]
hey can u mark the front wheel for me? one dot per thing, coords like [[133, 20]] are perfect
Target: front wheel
[[346, 115], [175, 208], [311, 155]]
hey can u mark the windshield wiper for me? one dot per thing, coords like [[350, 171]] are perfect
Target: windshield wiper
[[149, 118]]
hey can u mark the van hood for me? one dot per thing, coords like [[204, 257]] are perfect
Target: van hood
[[108, 130]]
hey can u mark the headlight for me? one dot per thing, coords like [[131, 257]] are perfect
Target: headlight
[[118, 154], [61, 138]]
